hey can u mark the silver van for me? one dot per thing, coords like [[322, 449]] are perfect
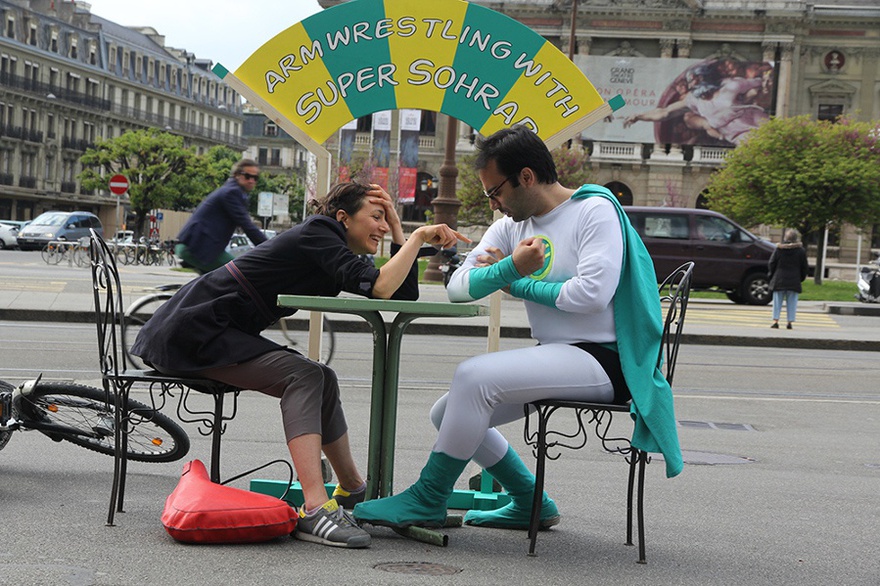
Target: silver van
[[50, 226], [726, 256]]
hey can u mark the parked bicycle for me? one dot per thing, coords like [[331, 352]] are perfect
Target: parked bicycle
[[84, 416], [143, 308], [74, 252]]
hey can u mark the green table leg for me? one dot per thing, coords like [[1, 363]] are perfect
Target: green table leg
[[377, 403], [389, 406]]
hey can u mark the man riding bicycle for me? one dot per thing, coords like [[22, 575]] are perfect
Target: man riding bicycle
[[203, 240]]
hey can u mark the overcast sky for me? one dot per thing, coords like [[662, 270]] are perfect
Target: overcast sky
[[224, 31]]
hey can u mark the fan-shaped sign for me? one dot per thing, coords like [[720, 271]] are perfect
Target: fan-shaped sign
[[451, 56]]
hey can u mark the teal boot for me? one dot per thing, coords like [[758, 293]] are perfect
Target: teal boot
[[423, 504], [519, 482]]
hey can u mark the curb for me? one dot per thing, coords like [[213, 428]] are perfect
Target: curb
[[512, 332]]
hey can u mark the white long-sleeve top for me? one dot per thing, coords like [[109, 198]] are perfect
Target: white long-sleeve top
[[584, 252]]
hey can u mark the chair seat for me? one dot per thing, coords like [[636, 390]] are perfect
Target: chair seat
[[616, 407], [202, 385]]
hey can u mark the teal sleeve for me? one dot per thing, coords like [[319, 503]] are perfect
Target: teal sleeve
[[538, 291], [486, 280]]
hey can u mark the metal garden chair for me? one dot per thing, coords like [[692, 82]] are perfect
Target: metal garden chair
[[118, 377], [675, 292]]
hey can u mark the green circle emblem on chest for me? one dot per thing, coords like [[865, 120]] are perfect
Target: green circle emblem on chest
[[542, 273]]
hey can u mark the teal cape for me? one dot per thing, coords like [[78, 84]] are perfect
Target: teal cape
[[638, 319]]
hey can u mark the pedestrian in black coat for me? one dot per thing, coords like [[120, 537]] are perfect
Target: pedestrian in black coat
[[788, 269]]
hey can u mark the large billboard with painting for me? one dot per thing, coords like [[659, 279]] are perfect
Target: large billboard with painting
[[709, 102]]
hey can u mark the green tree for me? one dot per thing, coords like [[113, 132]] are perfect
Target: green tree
[[801, 173], [572, 165], [155, 162]]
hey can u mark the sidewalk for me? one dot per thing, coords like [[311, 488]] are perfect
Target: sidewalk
[[67, 297]]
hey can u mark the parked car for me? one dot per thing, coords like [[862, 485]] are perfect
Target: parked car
[[8, 236], [727, 257], [123, 237], [51, 226], [240, 243]]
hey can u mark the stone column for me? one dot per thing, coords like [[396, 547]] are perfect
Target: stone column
[[446, 203], [667, 46], [583, 44], [784, 80], [684, 47]]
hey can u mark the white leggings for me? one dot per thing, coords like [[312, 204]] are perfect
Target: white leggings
[[491, 389]]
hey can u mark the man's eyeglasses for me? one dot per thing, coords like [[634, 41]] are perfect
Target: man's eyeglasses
[[494, 191], [250, 176]]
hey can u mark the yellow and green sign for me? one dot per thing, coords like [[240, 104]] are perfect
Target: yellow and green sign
[[451, 56]]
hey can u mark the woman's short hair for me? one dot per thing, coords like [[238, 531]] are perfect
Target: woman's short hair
[[348, 197], [791, 236], [513, 149]]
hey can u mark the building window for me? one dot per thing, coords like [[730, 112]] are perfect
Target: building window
[[275, 161], [263, 156], [830, 112], [32, 36], [270, 129], [10, 28], [365, 124], [73, 50], [53, 43], [428, 125]]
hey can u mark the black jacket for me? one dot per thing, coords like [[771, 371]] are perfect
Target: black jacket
[[216, 319], [788, 267]]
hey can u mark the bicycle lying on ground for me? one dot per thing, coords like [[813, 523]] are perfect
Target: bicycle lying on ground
[[84, 416], [143, 308]]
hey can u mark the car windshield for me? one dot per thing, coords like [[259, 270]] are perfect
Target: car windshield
[[50, 220]]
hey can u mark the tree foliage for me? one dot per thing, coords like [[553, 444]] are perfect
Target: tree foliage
[[162, 173], [800, 173], [156, 164], [572, 166]]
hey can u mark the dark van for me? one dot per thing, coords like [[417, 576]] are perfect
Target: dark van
[[726, 256]]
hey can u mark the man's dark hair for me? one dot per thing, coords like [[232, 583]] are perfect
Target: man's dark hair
[[239, 167], [514, 149]]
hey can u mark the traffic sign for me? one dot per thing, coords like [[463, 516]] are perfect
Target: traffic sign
[[118, 184]]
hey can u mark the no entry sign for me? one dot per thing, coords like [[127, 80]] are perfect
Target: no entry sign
[[118, 184]]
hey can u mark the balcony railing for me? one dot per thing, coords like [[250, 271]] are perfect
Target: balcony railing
[[6, 179], [45, 90], [68, 187], [30, 182]]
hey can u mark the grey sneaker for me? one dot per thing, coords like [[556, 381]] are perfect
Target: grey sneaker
[[347, 500], [331, 525]]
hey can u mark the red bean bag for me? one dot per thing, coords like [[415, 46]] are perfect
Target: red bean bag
[[201, 511]]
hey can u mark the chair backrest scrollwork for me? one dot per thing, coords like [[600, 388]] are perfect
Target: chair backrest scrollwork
[[675, 292], [108, 306]]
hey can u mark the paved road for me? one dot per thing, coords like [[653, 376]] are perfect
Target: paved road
[[779, 487]]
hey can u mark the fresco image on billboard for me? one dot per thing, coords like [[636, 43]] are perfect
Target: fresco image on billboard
[[712, 102]]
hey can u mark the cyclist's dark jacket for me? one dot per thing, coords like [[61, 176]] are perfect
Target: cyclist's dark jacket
[[216, 320]]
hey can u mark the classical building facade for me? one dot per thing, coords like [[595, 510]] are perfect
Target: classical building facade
[[69, 77], [820, 59]]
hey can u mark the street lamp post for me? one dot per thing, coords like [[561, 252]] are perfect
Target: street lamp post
[[446, 203]]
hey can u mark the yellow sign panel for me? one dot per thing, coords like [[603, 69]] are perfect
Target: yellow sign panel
[[451, 56]]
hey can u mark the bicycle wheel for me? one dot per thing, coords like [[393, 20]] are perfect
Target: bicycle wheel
[[81, 256], [51, 254], [299, 339], [136, 316], [153, 437], [5, 436]]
